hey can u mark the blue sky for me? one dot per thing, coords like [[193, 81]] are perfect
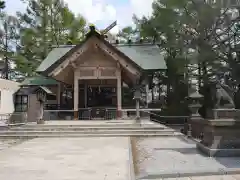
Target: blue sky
[[99, 12]]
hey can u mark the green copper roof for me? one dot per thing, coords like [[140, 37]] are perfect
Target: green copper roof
[[146, 56], [53, 56], [38, 81]]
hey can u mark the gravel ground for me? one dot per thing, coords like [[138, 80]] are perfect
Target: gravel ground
[[6, 143], [170, 157]]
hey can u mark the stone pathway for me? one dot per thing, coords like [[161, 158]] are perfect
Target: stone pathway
[[171, 157], [67, 159], [224, 177]]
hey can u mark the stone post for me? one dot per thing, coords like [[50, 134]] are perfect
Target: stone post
[[137, 109], [137, 97]]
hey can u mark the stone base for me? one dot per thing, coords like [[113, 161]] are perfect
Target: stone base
[[218, 152], [197, 127], [40, 121], [119, 114], [76, 115], [221, 137]]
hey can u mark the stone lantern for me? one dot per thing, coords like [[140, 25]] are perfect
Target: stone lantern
[[194, 105], [137, 97], [41, 97]]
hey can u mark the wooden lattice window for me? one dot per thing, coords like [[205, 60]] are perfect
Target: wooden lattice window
[[21, 103]]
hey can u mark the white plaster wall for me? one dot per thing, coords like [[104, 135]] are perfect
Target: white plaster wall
[[7, 101], [7, 88]]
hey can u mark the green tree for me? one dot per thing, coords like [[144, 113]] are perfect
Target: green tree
[[190, 28], [2, 4], [46, 23], [9, 37], [127, 32]]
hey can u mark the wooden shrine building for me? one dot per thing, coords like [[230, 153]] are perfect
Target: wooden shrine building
[[95, 70]]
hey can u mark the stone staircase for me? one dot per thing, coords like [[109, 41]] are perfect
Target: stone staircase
[[87, 130]]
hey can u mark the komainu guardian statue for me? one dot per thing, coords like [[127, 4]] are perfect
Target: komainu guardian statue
[[224, 96]]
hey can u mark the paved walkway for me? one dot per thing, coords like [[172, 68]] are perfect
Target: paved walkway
[[171, 157], [66, 159]]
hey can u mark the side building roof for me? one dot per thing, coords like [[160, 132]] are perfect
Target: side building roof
[[38, 81]]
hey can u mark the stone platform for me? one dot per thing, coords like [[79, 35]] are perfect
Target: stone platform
[[221, 135]]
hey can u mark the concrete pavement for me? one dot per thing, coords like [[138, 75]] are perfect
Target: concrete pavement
[[171, 157], [67, 159]]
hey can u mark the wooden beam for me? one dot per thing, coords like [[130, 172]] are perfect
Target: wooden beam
[[69, 60]]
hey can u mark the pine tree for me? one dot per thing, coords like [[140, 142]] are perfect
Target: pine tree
[[45, 23]]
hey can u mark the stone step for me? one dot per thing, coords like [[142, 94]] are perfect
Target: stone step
[[90, 131], [92, 126], [88, 128], [5, 136]]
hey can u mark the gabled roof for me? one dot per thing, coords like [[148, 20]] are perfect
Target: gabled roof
[[38, 81], [52, 57], [147, 56], [143, 56], [32, 90]]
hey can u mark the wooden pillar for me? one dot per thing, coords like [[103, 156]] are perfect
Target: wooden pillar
[[76, 99], [119, 94], [85, 94], [147, 91], [59, 94]]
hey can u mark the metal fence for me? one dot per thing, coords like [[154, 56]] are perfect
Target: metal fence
[[97, 114], [83, 114], [58, 115]]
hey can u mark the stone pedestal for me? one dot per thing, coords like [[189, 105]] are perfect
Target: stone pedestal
[[221, 136], [221, 114]]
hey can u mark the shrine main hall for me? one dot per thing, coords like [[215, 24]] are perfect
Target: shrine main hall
[[96, 70]]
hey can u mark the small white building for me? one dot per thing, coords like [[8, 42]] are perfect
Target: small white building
[[7, 91]]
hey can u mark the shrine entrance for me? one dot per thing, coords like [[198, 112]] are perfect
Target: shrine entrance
[[101, 96], [96, 97], [97, 93]]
